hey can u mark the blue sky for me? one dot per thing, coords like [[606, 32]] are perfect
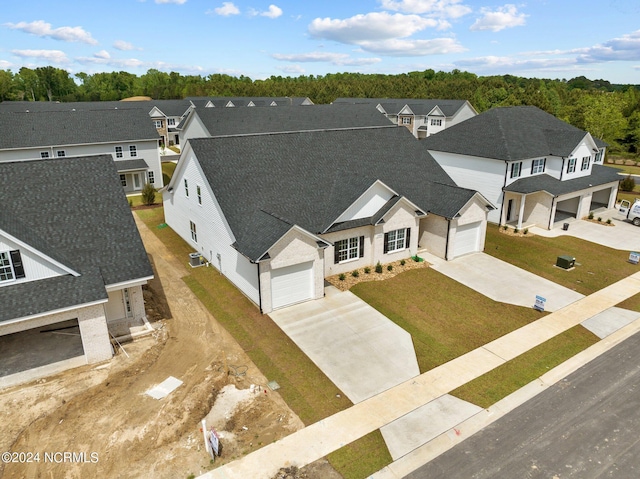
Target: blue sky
[[258, 39]]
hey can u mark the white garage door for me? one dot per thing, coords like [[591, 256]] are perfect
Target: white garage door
[[467, 239], [291, 284]]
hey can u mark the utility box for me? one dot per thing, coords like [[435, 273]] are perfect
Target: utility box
[[565, 262]]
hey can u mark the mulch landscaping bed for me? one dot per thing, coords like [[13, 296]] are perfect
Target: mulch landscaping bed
[[397, 268]]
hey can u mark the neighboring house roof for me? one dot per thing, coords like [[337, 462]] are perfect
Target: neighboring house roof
[[235, 121], [131, 165], [600, 175], [62, 128], [74, 211], [245, 100], [393, 106], [267, 183], [509, 134]]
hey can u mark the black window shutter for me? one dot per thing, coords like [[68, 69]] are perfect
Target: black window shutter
[[533, 162], [361, 247], [336, 252], [408, 239], [16, 260], [544, 164], [386, 243]]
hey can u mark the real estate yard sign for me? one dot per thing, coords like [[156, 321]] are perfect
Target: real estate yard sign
[[539, 303]]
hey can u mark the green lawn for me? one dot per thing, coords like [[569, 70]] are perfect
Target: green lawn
[[309, 393], [168, 167]]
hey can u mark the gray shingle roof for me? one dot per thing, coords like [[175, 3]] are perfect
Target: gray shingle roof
[[600, 175], [239, 101], [509, 133], [168, 107], [310, 178], [64, 127], [82, 214], [418, 106], [235, 121], [130, 165]]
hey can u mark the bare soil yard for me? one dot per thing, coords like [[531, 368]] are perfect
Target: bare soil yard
[[103, 409]]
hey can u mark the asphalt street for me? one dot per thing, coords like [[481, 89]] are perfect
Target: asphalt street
[[586, 426]]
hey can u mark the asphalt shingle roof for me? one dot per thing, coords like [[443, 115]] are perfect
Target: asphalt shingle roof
[[75, 211], [235, 121], [509, 133], [65, 127], [600, 175], [418, 106], [267, 183]]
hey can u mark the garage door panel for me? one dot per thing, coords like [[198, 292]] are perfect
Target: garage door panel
[[467, 239], [291, 284]]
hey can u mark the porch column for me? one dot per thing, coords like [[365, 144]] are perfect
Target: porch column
[[521, 213]]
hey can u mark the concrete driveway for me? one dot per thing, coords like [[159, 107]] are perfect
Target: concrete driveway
[[623, 235], [358, 348], [502, 281]]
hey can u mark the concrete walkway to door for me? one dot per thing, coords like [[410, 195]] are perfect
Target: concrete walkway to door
[[358, 348]]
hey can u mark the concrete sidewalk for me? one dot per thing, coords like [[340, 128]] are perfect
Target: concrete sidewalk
[[332, 433]]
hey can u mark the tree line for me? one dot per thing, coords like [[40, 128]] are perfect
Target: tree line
[[608, 111]]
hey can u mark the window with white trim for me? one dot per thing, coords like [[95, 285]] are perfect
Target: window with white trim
[[171, 121], [11, 266], [516, 169], [6, 270], [199, 194], [537, 166], [586, 161], [396, 240], [598, 158], [348, 249], [119, 152], [61, 153], [133, 151], [123, 180], [406, 120], [44, 154], [194, 232], [151, 176], [186, 188], [571, 165], [157, 123], [436, 122]]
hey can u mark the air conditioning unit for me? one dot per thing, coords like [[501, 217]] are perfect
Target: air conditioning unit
[[195, 259]]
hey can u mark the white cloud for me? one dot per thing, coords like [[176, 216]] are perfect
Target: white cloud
[[293, 69], [334, 58], [625, 48], [273, 12], [370, 27], [122, 45], [52, 56], [227, 9], [177, 2], [499, 19], [5, 64], [41, 28], [102, 54], [437, 8], [407, 48]]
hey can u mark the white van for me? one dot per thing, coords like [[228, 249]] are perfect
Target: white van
[[631, 211]]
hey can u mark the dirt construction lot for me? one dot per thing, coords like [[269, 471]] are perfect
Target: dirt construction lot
[[102, 410]]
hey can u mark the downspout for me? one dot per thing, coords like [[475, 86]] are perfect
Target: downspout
[[259, 289], [504, 185], [446, 244]]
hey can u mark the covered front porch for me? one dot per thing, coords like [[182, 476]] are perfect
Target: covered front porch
[[133, 174]]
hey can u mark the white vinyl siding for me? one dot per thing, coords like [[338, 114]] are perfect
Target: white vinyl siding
[[215, 238], [6, 269]]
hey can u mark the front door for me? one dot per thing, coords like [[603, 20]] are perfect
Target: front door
[[136, 181]]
